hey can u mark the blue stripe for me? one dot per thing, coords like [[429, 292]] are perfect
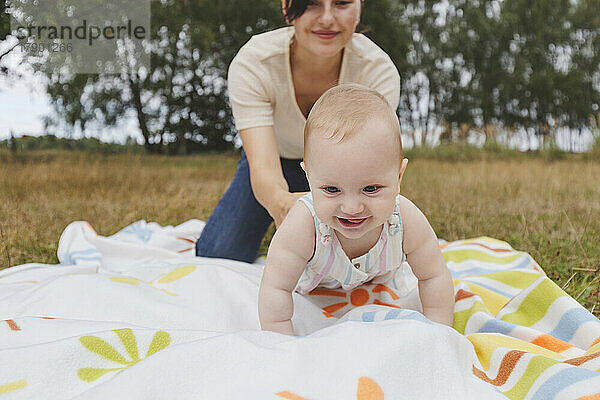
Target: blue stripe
[[482, 271], [497, 326], [415, 316], [350, 268], [561, 380], [369, 316], [392, 314], [367, 262], [570, 322], [395, 314]]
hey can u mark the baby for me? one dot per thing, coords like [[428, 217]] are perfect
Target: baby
[[353, 227]]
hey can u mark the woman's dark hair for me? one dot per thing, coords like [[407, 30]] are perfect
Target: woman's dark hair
[[294, 9]]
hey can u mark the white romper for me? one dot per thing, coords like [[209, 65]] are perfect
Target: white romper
[[331, 268]]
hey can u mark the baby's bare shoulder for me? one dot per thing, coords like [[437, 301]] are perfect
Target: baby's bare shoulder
[[296, 234], [415, 225], [408, 208]]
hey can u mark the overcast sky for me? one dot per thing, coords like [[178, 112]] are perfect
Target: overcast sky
[[23, 104]]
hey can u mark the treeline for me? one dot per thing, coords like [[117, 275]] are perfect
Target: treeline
[[28, 148], [496, 67], [51, 142]]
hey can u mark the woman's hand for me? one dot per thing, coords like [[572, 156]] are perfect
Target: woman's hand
[[268, 184], [284, 202]]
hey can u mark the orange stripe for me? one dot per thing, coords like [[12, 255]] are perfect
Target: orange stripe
[[328, 315], [47, 317], [596, 341], [551, 343], [462, 294], [383, 288], [381, 303], [12, 325], [290, 396], [580, 360], [334, 307], [590, 397], [187, 240], [326, 292], [489, 248], [507, 366]]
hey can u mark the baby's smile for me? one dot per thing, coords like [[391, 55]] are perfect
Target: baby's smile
[[351, 222]]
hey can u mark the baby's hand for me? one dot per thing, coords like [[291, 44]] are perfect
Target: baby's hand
[[291, 248], [425, 258]]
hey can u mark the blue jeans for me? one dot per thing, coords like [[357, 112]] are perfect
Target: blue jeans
[[238, 223]]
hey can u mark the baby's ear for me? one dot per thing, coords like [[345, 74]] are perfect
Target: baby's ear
[[403, 165]]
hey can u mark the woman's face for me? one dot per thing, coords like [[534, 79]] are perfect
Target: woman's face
[[327, 26]]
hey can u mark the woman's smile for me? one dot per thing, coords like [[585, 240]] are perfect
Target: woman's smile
[[325, 34]]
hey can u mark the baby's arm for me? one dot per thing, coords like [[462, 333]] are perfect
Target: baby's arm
[[423, 254], [291, 248]]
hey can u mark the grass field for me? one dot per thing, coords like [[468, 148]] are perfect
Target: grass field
[[550, 209]]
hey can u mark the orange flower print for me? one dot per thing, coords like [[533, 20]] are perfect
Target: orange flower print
[[364, 294], [368, 389]]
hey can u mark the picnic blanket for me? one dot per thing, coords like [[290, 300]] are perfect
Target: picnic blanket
[[136, 316]]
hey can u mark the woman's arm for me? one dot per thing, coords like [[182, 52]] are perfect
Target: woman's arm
[[291, 248], [268, 184]]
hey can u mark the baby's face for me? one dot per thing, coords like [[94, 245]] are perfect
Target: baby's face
[[354, 183]]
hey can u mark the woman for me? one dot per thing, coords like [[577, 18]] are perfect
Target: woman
[[273, 82]]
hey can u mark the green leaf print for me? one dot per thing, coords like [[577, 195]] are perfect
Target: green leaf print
[[128, 339], [160, 341], [91, 374], [177, 274], [96, 345], [129, 281], [103, 349]]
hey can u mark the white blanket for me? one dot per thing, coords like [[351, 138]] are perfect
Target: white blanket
[[137, 316]]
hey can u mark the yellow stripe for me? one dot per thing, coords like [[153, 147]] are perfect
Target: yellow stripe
[[484, 348], [517, 344], [458, 256], [516, 279], [536, 304], [462, 317], [9, 387], [485, 239], [537, 365], [492, 300]]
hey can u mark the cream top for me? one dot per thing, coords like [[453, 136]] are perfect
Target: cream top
[[261, 90]]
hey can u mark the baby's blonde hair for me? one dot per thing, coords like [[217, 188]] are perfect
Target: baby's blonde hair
[[344, 109]]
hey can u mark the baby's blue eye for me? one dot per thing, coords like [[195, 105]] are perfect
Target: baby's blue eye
[[331, 189], [371, 188]]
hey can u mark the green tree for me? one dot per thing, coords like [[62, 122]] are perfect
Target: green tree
[[181, 102]]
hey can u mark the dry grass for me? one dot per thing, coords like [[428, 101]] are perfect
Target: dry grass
[[549, 209]]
